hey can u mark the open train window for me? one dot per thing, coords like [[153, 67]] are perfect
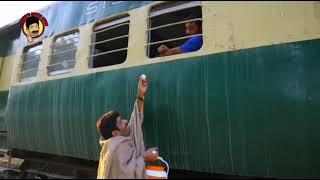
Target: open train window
[[109, 42], [167, 25], [30, 62], [63, 54]]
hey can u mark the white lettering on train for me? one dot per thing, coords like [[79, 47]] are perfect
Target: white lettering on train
[[93, 7]]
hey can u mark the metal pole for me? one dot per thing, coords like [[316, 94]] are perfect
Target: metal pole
[[1, 58]]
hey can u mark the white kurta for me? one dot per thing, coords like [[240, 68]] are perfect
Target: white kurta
[[122, 157]]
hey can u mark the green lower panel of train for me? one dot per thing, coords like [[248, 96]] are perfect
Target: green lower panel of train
[[248, 112]]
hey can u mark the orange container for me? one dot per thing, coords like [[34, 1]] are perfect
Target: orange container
[[156, 172]]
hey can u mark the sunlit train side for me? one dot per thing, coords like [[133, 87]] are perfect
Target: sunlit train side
[[245, 104]]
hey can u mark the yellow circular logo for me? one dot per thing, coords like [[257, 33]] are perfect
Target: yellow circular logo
[[35, 33], [33, 25]]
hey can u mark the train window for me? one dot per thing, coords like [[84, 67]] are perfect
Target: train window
[[30, 62], [63, 56], [109, 42], [174, 27]]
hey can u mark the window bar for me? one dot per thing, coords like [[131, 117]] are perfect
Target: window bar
[[174, 9], [92, 41], [27, 79], [31, 52], [59, 72], [149, 38], [108, 52], [55, 44], [173, 39], [24, 62], [100, 42], [28, 70], [110, 28], [112, 22], [62, 51], [60, 63], [175, 23]]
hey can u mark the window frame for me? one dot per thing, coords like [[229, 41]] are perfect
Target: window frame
[[1, 64], [184, 6], [106, 24], [22, 57], [52, 46]]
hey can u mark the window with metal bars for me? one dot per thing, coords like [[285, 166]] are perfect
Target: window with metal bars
[[109, 42], [63, 55], [167, 24], [30, 61]]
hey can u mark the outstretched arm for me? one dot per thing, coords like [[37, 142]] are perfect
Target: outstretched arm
[[136, 119], [142, 89], [172, 51], [191, 45], [165, 51]]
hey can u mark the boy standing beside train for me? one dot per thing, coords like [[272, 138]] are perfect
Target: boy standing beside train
[[123, 153]]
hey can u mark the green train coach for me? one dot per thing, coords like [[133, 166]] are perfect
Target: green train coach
[[247, 103]]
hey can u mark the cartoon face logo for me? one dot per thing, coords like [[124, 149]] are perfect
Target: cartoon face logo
[[33, 25]]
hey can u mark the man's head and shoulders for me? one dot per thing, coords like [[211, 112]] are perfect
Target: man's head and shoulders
[[193, 28], [113, 129], [116, 146]]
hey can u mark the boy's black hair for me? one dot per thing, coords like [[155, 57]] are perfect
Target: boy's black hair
[[197, 22], [32, 20], [107, 124]]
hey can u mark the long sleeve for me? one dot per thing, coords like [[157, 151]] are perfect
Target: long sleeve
[[135, 125], [110, 157], [125, 165]]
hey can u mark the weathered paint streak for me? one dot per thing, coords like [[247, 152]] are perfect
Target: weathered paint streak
[[248, 112], [3, 128], [3, 103]]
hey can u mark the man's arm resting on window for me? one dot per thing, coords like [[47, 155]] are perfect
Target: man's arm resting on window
[[172, 51]]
